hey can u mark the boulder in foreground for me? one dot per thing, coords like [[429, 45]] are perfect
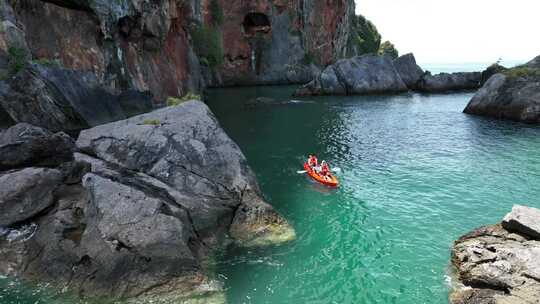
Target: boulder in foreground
[[499, 263], [138, 212]]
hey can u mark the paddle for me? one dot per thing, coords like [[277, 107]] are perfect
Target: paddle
[[337, 170]]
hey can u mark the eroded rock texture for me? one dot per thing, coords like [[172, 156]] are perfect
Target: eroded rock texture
[[499, 264], [136, 212]]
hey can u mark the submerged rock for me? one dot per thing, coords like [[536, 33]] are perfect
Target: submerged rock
[[138, 211], [499, 265], [59, 99], [513, 94]]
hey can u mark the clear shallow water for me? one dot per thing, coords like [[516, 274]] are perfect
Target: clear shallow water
[[416, 174]]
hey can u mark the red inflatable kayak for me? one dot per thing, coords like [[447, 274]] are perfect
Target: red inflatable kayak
[[329, 180]]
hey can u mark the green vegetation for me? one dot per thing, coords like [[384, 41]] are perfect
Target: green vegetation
[[365, 36], [308, 59], [152, 122], [46, 62], [522, 72], [388, 49], [16, 60], [208, 45], [174, 101], [216, 12]]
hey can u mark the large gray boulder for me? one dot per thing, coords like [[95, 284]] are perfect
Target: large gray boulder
[[513, 95], [25, 193], [140, 210], [408, 70], [366, 74], [60, 99], [27, 145], [446, 82], [523, 220], [497, 265], [184, 148]]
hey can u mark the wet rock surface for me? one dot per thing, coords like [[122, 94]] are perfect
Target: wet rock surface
[[499, 263], [137, 211], [513, 94]]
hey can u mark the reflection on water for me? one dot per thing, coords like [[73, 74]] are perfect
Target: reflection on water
[[416, 174]]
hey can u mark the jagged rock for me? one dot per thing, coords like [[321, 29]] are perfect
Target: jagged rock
[[27, 145], [409, 71], [366, 74], [496, 265], [185, 151], [25, 193], [446, 82], [513, 94], [523, 220], [160, 192], [60, 99]]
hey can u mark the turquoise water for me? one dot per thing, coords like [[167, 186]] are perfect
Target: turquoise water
[[416, 173]]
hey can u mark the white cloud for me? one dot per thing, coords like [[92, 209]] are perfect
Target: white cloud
[[458, 30]]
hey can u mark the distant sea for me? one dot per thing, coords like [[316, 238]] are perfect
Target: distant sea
[[436, 68]]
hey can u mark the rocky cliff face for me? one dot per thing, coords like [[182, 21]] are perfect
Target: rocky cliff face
[[161, 46]]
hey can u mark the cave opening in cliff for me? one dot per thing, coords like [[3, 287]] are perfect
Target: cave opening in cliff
[[255, 23]]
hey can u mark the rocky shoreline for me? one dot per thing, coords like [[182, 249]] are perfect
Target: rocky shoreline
[[374, 74], [512, 94], [133, 208], [499, 263]]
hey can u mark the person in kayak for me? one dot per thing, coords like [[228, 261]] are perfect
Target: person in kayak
[[312, 161], [325, 170]]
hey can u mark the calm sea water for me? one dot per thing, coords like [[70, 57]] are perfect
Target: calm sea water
[[416, 173]]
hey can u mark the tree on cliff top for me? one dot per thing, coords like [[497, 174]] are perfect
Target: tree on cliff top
[[388, 49], [365, 36]]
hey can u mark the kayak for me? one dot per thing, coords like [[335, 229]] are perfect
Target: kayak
[[330, 180]]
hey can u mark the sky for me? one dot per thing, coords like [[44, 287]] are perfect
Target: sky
[[458, 31]]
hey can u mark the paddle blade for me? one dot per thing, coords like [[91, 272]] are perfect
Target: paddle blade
[[301, 172], [337, 170]]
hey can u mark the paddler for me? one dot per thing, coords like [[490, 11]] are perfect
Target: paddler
[[325, 170], [312, 161]]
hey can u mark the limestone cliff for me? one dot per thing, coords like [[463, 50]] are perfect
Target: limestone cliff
[[168, 47]]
